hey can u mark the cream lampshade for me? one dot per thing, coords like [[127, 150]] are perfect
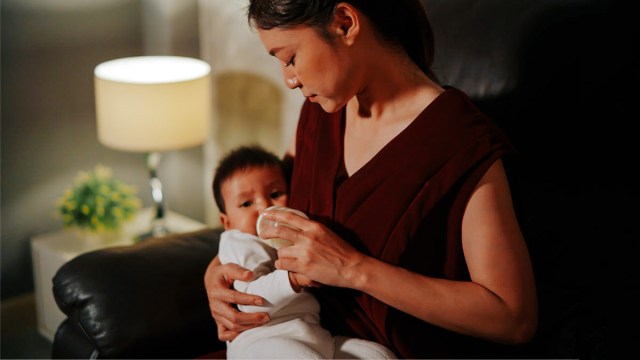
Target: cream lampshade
[[151, 104]]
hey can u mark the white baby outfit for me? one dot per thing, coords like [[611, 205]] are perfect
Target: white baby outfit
[[294, 331]]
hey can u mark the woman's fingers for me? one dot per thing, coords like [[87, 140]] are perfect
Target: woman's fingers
[[238, 321], [231, 322], [284, 263], [225, 334], [230, 296], [233, 272], [280, 232], [286, 217], [222, 298], [220, 278], [228, 331]]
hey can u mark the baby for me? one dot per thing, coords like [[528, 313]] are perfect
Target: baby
[[247, 181]]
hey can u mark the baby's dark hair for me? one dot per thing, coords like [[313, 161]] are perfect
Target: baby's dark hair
[[241, 158]]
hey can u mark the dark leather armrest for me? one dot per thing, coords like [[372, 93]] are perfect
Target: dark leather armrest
[[142, 301], [71, 342]]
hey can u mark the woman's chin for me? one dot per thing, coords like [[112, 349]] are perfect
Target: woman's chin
[[329, 106]]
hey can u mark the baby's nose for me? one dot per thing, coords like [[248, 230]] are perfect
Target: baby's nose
[[264, 203]]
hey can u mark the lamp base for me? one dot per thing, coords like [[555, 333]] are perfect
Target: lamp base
[[148, 235], [158, 229], [158, 226]]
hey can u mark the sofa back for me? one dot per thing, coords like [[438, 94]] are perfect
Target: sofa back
[[560, 78]]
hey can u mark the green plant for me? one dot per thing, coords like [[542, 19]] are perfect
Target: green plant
[[97, 202]]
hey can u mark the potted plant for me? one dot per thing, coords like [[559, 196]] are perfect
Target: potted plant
[[97, 204]]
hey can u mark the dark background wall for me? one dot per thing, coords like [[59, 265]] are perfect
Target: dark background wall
[[48, 133]]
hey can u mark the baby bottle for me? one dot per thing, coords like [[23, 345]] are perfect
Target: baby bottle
[[262, 222]]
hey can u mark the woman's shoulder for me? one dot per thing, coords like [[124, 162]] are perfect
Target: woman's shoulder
[[454, 115], [452, 96], [453, 108]]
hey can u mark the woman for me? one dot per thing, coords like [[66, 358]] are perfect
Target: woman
[[412, 232]]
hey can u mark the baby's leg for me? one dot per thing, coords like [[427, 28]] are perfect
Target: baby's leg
[[352, 348], [288, 340], [274, 348]]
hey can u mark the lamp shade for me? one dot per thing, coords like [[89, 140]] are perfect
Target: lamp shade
[[153, 103]]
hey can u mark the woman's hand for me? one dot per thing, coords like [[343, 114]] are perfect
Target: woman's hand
[[316, 253], [218, 281]]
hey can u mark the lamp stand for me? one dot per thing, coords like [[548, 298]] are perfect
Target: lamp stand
[[158, 224]]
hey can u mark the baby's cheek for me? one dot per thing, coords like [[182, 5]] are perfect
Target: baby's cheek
[[249, 225]]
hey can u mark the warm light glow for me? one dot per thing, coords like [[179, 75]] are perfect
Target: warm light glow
[[153, 103], [152, 69]]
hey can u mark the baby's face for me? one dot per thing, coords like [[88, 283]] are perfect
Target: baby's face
[[248, 192]]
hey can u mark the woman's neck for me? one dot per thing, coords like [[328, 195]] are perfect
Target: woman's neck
[[392, 99], [395, 88]]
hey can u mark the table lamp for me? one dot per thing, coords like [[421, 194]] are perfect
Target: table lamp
[[153, 104]]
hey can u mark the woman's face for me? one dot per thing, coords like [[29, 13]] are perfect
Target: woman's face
[[319, 68]]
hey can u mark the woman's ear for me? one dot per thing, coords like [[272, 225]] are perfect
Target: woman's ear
[[224, 219], [346, 23]]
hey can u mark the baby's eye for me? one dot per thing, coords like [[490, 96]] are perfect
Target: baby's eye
[[245, 204], [276, 194]]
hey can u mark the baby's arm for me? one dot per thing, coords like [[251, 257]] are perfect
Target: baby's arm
[[275, 288], [250, 252], [299, 281]]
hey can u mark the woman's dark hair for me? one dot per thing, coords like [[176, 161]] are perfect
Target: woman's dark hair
[[241, 158], [398, 22]]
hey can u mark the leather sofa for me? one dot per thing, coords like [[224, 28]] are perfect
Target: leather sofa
[[142, 301], [557, 75]]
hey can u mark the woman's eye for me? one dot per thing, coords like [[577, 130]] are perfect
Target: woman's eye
[[276, 194], [245, 204], [292, 61]]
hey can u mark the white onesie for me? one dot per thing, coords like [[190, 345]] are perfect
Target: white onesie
[[294, 330]]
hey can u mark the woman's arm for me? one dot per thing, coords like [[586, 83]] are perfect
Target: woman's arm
[[499, 303]]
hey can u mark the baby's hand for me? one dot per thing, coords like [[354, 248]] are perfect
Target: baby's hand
[[300, 281]]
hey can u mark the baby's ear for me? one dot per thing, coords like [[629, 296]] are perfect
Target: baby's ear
[[224, 219]]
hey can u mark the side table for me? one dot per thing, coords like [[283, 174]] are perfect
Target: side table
[[50, 251]]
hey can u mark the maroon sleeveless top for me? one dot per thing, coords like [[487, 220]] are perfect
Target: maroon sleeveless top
[[404, 206]]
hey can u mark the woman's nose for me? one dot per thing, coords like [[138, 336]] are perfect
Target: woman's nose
[[290, 79], [293, 83]]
